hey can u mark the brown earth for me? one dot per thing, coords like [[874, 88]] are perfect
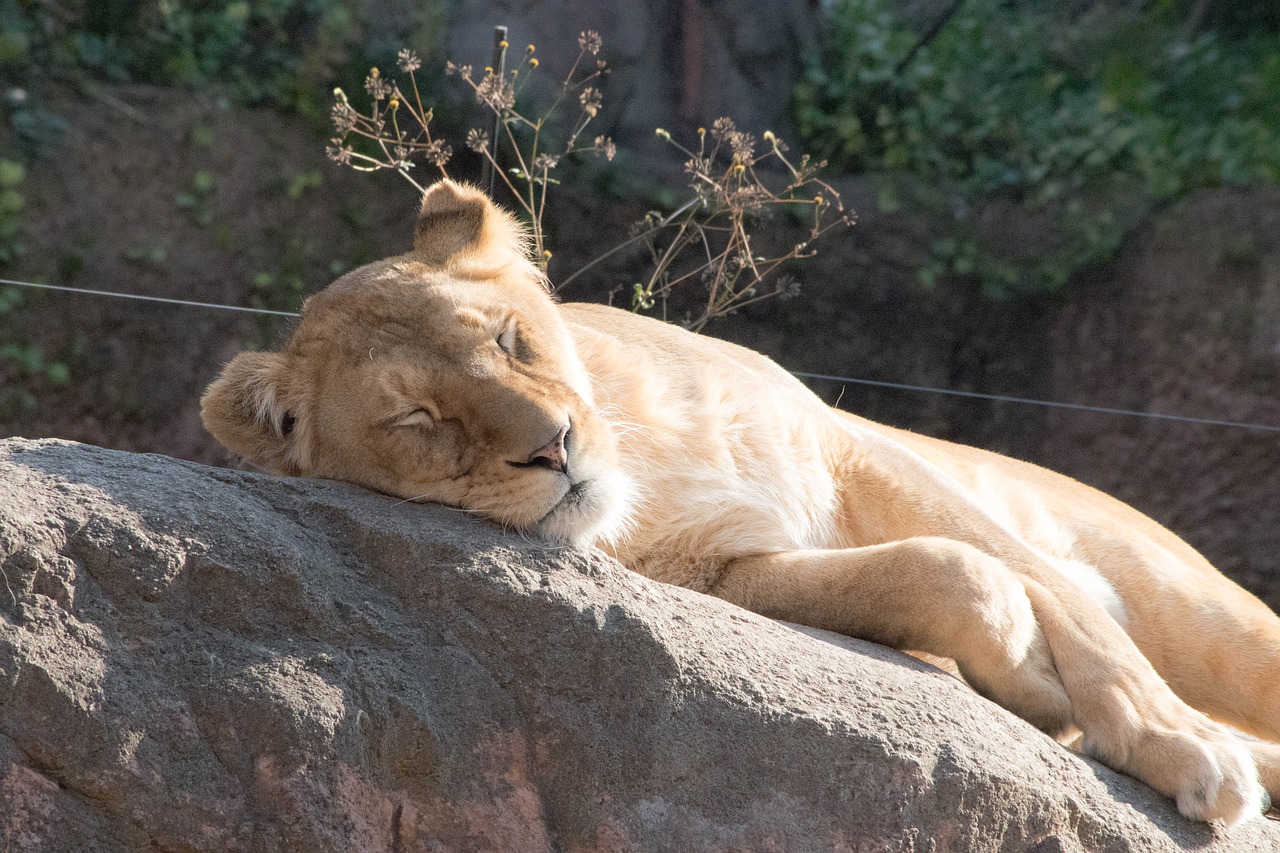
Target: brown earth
[[104, 215], [1185, 321]]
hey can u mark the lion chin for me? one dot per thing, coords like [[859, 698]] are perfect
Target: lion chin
[[591, 511], [449, 374]]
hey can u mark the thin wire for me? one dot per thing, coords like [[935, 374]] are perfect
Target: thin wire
[[1105, 410], [900, 386], [150, 298]]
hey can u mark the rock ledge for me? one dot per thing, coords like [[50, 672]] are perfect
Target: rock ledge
[[201, 659]]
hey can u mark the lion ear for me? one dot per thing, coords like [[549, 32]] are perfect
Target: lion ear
[[459, 225], [245, 409]]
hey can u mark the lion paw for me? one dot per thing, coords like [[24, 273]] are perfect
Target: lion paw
[[1221, 783], [1203, 767]]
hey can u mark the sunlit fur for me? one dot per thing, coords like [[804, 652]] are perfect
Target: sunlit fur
[[439, 375]]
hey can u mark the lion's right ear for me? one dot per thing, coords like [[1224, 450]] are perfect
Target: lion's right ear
[[459, 227], [245, 409]]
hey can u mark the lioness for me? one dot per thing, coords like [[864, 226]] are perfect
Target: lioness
[[449, 374]]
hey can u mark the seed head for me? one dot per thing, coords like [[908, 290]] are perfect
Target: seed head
[[408, 61], [591, 99], [722, 127], [590, 42], [338, 152], [477, 140], [438, 153], [342, 116], [376, 86], [496, 93]]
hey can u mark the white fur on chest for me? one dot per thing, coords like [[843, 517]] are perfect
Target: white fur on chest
[[718, 478]]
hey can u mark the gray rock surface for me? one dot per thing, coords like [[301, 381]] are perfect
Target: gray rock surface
[[202, 659]]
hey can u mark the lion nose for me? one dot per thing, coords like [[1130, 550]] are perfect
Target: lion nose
[[554, 455]]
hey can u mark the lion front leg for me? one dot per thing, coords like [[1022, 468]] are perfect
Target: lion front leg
[[925, 594], [1050, 655], [1133, 721]]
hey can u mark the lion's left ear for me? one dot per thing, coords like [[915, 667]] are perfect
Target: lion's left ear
[[460, 226], [248, 410]]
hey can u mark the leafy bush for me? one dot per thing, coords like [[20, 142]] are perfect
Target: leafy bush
[[23, 366], [1072, 114], [278, 51]]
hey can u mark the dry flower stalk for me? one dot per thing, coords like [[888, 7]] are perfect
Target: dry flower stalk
[[736, 181]]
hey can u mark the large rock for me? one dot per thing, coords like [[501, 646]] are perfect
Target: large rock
[[202, 659]]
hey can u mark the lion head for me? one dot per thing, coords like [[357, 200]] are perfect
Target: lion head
[[444, 375]]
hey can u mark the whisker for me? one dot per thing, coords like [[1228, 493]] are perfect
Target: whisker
[[410, 500]]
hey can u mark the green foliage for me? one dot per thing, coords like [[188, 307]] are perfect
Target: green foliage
[[11, 202], [1065, 113], [24, 365], [282, 288], [300, 183], [285, 52], [146, 254], [196, 198], [38, 132]]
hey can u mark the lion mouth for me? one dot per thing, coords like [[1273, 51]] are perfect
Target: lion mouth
[[575, 498], [589, 509], [576, 494]]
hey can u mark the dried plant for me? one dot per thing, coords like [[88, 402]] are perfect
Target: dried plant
[[730, 180], [706, 240], [399, 127]]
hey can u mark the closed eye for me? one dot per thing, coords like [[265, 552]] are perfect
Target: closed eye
[[507, 337], [416, 418]]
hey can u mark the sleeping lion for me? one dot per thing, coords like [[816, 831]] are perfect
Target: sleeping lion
[[450, 375]]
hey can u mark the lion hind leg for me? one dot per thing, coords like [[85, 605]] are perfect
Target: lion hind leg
[[1224, 658], [1215, 644], [1210, 775], [1051, 656], [1267, 757]]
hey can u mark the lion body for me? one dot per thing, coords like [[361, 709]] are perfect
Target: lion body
[[449, 375]]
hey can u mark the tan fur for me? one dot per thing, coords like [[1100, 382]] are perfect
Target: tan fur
[[447, 373]]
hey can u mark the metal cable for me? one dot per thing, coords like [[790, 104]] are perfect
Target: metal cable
[[1083, 407], [149, 298], [878, 383]]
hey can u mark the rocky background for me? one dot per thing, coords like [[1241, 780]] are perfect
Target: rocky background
[[193, 658]]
